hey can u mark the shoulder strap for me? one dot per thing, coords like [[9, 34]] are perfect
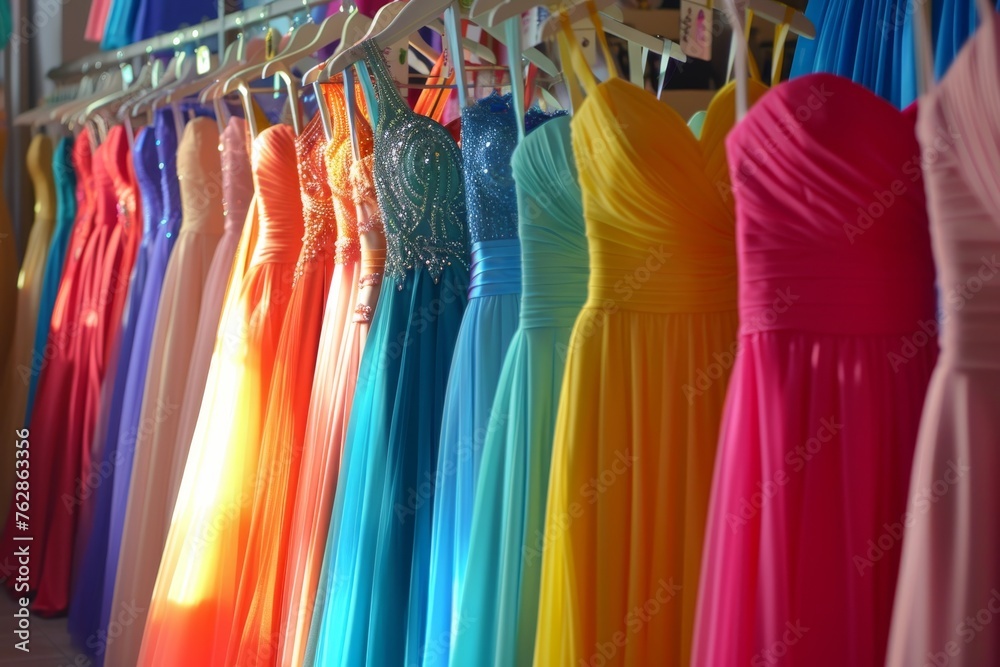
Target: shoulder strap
[[780, 37], [569, 45], [389, 99], [924, 46], [512, 33], [369, 92]]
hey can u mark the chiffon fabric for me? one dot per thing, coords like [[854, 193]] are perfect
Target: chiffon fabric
[[192, 609], [634, 447], [950, 568], [827, 389], [374, 583], [354, 290], [90, 302], [497, 614], [193, 289], [127, 353], [96, 20], [257, 615], [489, 136], [67, 203], [16, 369]]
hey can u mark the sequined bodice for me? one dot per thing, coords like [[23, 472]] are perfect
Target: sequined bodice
[[489, 136], [166, 150], [340, 164], [237, 181], [148, 174], [320, 231], [418, 181]]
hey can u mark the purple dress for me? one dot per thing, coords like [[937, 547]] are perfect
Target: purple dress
[[95, 586]]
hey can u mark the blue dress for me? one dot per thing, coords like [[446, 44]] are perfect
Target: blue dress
[[154, 168], [120, 25], [65, 178], [497, 608], [372, 595]]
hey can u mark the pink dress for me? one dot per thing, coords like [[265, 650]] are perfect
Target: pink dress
[[830, 370], [947, 608]]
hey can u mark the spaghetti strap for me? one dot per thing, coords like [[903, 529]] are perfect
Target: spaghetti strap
[[389, 99], [925, 49], [573, 58], [780, 37]]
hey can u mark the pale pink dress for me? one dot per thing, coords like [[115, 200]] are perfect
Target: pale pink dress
[[947, 610]]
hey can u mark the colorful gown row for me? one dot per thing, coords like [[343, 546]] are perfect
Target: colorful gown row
[[567, 391]]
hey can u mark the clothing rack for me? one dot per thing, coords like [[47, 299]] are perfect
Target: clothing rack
[[170, 41]]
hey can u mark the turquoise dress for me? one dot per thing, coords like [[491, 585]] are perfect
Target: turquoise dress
[[65, 178], [497, 610], [372, 595]]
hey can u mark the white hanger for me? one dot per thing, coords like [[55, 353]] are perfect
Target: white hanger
[[415, 15]]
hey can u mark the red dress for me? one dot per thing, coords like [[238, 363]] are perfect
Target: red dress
[[87, 310]]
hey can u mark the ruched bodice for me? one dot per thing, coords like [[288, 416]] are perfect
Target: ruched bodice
[[960, 122], [39, 160], [147, 173], [418, 180], [279, 203], [553, 244], [318, 215], [199, 169], [656, 198], [489, 136], [832, 233], [166, 149], [237, 180]]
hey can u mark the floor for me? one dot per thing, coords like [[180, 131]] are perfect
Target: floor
[[49, 642]]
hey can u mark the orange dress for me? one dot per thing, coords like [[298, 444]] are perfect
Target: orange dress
[[360, 260], [191, 614], [258, 604]]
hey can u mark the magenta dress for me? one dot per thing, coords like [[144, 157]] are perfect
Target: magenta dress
[[830, 371], [948, 595]]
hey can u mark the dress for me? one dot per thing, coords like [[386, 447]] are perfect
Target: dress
[[155, 17], [120, 24], [354, 291], [497, 609], [191, 612], [257, 616], [68, 201], [489, 136], [633, 450], [14, 381], [950, 567], [187, 290], [822, 412], [90, 301], [373, 588], [85, 607]]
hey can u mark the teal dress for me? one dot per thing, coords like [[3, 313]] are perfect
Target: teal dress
[[497, 610], [65, 179], [372, 595]]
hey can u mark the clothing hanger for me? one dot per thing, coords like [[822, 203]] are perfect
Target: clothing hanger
[[94, 109], [415, 15], [39, 115], [115, 82], [165, 76]]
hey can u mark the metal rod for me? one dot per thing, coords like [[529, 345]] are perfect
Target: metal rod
[[171, 40]]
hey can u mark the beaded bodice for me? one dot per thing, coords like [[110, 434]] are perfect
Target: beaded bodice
[[340, 167], [147, 173], [489, 136], [166, 149], [418, 181], [320, 231]]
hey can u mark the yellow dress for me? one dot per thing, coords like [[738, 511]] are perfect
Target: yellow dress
[[14, 385], [635, 439]]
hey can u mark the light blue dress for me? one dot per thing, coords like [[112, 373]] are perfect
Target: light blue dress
[[498, 607], [65, 177], [372, 595]]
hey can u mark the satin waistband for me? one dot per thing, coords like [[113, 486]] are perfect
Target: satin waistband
[[495, 268]]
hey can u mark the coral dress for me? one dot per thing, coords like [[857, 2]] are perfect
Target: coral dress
[[191, 613], [354, 291], [949, 579], [634, 448], [257, 616], [822, 412]]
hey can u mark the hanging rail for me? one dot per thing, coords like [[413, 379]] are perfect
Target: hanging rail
[[173, 39]]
